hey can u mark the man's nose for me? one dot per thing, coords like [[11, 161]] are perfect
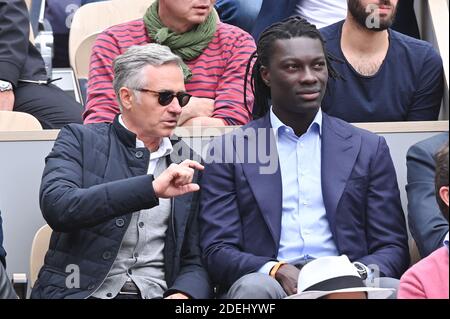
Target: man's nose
[[308, 76], [174, 106]]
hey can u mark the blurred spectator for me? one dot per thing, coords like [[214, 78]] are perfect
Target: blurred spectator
[[24, 85], [386, 76], [59, 14], [216, 55], [241, 13], [429, 278], [426, 223]]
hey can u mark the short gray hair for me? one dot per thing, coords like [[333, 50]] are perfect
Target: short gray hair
[[128, 66]]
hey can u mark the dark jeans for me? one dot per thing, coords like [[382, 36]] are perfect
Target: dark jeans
[[53, 107]]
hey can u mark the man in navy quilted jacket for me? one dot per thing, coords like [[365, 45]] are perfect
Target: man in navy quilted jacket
[[121, 198]]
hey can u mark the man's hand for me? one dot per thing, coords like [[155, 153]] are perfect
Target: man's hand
[[6, 101], [287, 276], [178, 295], [176, 180], [197, 107]]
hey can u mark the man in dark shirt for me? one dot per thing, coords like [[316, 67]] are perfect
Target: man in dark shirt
[[386, 76], [24, 85]]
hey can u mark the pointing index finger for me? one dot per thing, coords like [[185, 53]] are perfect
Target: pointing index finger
[[193, 164]]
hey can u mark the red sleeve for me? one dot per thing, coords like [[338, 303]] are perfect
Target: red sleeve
[[229, 104], [410, 286]]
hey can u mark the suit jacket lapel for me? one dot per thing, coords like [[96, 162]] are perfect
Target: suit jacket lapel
[[265, 183], [340, 149]]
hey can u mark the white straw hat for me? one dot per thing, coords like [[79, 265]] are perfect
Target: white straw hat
[[334, 274]]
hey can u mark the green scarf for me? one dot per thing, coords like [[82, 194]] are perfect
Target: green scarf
[[188, 45]]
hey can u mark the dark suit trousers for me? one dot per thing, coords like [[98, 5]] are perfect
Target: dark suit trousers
[[53, 107]]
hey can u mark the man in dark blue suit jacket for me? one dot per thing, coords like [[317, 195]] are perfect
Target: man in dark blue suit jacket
[[297, 184], [426, 222]]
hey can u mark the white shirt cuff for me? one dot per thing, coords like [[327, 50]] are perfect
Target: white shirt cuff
[[267, 267]]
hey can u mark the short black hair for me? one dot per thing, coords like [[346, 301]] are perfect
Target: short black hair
[[441, 178], [292, 27]]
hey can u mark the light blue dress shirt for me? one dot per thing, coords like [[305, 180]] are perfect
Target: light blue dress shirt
[[305, 231]]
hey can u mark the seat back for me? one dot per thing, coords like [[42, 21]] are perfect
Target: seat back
[[81, 64], [82, 56], [139, 7], [18, 121], [39, 248], [92, 18]]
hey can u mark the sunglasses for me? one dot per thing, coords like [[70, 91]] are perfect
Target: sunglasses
[[166, 97]]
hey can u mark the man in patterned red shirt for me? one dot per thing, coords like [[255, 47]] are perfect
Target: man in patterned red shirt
[[215, 53]]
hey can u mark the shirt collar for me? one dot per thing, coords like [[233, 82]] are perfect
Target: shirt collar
[[164, 149], [277, 124]]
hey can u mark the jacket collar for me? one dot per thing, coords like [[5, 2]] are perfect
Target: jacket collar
[[127, 137]]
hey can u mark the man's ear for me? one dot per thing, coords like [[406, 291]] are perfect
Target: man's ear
[[265, 75], [443, 193], [126, 97]]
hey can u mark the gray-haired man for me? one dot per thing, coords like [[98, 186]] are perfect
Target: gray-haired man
[[123, 213]]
